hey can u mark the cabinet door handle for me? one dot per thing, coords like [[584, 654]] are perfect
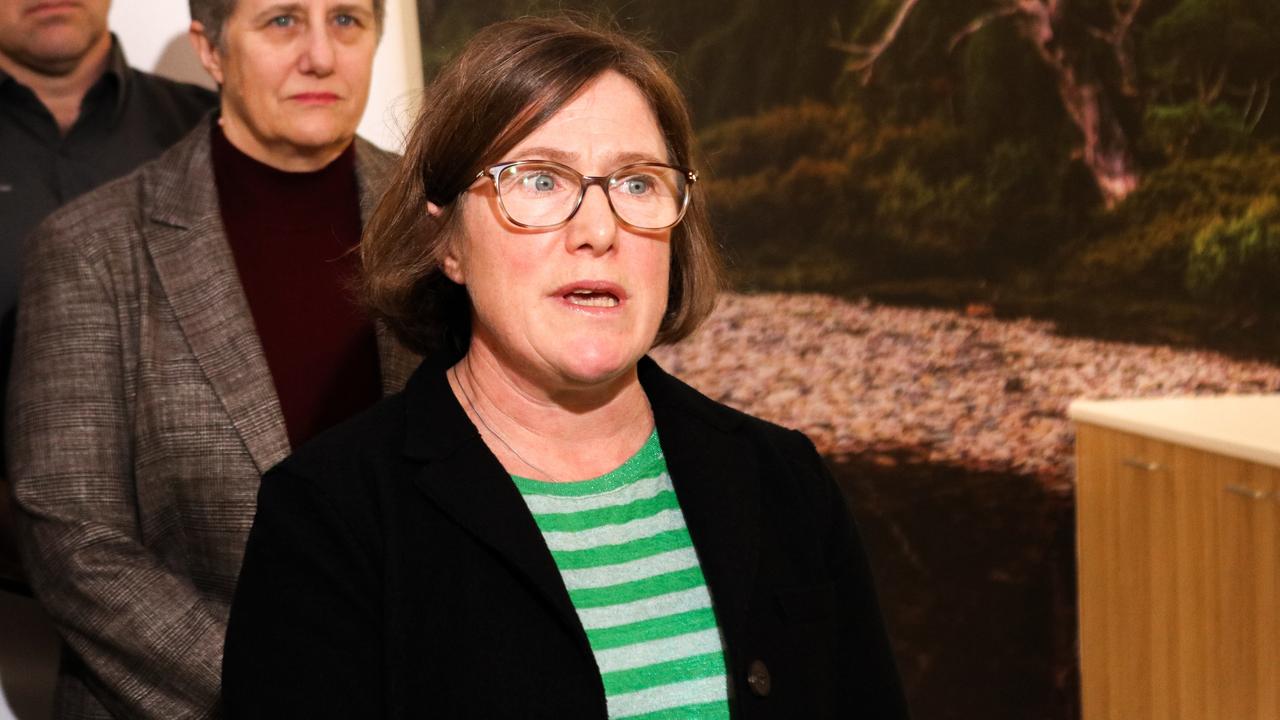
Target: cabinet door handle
[[1247, 492], [1142, 464]]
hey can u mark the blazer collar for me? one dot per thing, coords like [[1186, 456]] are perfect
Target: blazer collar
[[434, 433], [717, 480], [179, 188], [188, 246], [710, 463], [464, 479]]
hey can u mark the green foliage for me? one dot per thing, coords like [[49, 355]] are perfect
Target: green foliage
[[1144, 244], [1199, 38], [1007, 93], [931, 226], [1238, 259], [786, 208], [732, 57], [773, 140], [940, 149], [1207, 61], [929, 210], [816, 189], [1192, 130], [782, 195]]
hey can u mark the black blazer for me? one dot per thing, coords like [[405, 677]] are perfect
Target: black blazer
[[393, 571]]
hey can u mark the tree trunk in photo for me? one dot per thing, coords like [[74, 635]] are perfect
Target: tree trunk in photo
[[1105, 148]]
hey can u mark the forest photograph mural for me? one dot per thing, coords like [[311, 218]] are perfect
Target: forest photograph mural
[[945, 220]]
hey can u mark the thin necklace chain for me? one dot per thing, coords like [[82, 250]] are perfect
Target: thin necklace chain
[[475, 411]]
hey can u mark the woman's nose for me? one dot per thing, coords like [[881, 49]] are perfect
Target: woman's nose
[[318, 56], [594, 225]]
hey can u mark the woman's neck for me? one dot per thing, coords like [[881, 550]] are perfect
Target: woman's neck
[[559, 435]]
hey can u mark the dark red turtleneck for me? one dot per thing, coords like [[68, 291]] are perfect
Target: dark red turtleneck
[[292, 235]]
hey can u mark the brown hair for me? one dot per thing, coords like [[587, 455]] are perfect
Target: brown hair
[[213, 14], [509, 79]]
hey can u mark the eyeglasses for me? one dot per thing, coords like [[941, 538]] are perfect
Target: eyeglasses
[[539, 194]]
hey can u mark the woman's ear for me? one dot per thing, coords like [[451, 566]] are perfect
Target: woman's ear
[[206, 50], [452, 265]]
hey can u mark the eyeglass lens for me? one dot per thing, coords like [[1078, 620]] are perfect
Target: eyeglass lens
[[644, 196]]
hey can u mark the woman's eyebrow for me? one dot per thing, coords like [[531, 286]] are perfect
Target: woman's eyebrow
[[628, 157], [278, 9], [617, 159], [549, 153], [351, 9]]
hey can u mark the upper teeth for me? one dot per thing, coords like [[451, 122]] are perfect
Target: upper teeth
[[590, 299]]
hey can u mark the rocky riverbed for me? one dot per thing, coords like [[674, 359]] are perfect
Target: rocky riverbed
[[936, 386]]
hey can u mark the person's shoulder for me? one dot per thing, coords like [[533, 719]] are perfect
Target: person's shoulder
[[110, 218], [110, 211], [370, 151], [373, 161], [122, 201], [187, 101], [365, 446], [667, 389]]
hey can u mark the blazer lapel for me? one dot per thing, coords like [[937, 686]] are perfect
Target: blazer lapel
[[464, 479], [718, 486], [373, 172], [715, 478], [188, 245]]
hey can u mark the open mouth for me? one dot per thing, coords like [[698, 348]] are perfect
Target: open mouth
[[592, 298]]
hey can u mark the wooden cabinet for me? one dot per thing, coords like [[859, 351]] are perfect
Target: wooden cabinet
[[1179, 563]]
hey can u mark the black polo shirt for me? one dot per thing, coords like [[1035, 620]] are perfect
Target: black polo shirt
[[126, 118]]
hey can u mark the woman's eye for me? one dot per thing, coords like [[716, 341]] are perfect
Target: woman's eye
[[540, 182], [282, 21], [636, 185], [346, 20]]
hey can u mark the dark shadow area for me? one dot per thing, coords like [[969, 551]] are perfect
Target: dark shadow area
[[11, 577], [28, 658], [976, 573]]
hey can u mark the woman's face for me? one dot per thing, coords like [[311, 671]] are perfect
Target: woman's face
[[295, 76], [579, 304]]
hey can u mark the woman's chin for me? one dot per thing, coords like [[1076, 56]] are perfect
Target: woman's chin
[[592, 368]]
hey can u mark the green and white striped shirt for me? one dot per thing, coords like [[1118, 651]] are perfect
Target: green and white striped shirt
[[625, 554]]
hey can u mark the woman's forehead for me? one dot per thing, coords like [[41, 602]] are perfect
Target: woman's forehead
[[610, 121]]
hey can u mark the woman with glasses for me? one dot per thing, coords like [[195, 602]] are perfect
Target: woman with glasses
[[544, 524]]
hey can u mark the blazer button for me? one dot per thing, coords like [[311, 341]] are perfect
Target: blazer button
[[758, 678]]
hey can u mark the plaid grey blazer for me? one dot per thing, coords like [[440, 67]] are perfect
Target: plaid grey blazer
[[141, 417]]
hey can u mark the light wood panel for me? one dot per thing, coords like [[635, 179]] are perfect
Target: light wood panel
[[1249, 659], [1177, 581]]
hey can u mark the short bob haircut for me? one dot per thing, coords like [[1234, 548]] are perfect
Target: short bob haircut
[[509, 79]]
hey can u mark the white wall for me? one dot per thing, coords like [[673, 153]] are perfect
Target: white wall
[[154, 36]]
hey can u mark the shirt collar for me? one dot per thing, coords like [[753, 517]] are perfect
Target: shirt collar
[[117, 68]]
